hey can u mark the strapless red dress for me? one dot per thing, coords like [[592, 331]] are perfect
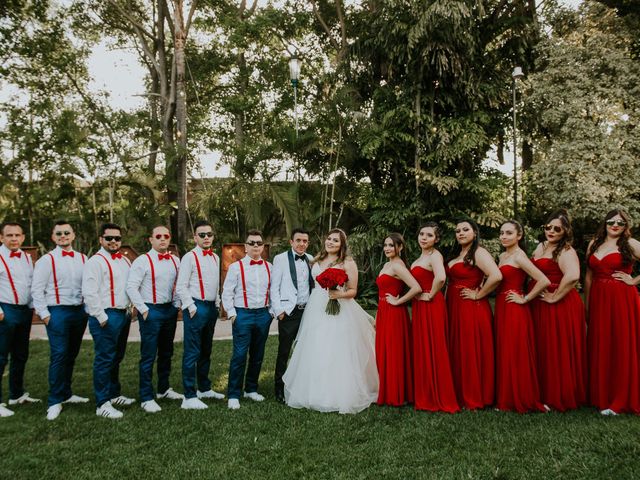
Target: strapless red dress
[[561, 344], [613, 337], [470, 339], [433, 383], [393, 345], [516, 374]]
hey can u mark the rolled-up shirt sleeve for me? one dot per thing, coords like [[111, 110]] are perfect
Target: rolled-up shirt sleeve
[[183, 285], [134, 280]]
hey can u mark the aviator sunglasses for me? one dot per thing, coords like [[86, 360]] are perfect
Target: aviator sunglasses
[[548, 227], [617, 223], [60, 233], [112, 238], [255, 244], [205, 234], [160, 236]]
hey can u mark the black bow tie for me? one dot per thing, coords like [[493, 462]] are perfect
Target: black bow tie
[[300, 257]]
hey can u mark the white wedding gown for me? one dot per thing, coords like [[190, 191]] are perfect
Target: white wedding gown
[[333, 366]]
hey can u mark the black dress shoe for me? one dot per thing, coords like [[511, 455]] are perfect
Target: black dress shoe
[[280, 397]]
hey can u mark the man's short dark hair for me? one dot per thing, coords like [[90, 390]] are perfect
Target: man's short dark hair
[[10, 224], [299, 230], [109, 226], [201, 223], [254, 232], [60, 222]]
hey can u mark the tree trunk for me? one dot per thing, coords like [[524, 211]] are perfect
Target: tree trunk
[[181, 121]]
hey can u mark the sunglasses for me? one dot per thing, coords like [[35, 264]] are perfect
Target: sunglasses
[[255, 244], [555, 228], [112, 238], [617, 223], [60, 233], [160, 236], [205, 234]]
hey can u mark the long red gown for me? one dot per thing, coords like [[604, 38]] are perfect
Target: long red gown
[[433, 383], [613, 337], [470, 339], [516, 378], [561, 344], [393, 345]]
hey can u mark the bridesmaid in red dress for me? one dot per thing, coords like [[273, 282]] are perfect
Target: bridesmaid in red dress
[[559, 320], [393, 339], [516, 367], [472, 276], [433, 383], [613, 337]]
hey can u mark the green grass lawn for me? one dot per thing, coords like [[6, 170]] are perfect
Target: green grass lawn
[[268, 440]]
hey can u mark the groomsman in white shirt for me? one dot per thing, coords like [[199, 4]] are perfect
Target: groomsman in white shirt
[[104, 282], [245, 297], [57, 298], [152, 290], [198, 288], [16, 272], [290, 289]]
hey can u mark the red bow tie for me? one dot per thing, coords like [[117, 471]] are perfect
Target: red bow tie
[[255, 262], [207, 252], [15, 254], [67, 254], [164, 256], [116, 255]]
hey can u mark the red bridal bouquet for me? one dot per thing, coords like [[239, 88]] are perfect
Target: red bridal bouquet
[[331, 279]]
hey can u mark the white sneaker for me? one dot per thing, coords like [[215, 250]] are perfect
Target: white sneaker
[[25, 398], [76, 399], [53, 411], [233, 404], [4, 411], [608, 411], [210, 394], [123, 401], [193, 404], [106, 410], [150, 406], [170, 394], [255, 396]]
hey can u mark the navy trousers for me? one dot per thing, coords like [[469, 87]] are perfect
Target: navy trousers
[[14, 343], [250, 333], [198, 340], [66, 326], [156, 340], [110, 343]]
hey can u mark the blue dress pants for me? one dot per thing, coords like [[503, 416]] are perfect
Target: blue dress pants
[[250, 333], [14, 343], [198, 340], [65, 329], [156, 339], [110, 343]]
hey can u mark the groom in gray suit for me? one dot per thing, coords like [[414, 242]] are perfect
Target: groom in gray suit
[[290, 289]]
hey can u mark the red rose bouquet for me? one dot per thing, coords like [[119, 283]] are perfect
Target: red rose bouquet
[[331, 279]]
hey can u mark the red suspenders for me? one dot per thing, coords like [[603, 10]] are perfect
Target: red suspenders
[[113, 296], [10, 278], [55, 278], [195, 256], [153, 277], [244, 284]]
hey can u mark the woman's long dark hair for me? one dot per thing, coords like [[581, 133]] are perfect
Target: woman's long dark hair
[[470, 257], [566, 241], [623, 241], [344, 248], [399, 246], [522, 243]]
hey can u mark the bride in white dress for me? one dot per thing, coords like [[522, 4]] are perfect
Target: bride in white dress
[[333, 367]]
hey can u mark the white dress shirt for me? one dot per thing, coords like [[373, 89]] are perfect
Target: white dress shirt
[[67, 277], [284, 294], [140, 284], [257, 280], [96, 284], [193, 285], [20, 273]]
